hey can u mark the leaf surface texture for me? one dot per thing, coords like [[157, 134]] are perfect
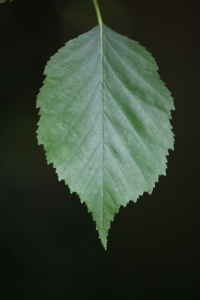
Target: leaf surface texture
[[104, 121]]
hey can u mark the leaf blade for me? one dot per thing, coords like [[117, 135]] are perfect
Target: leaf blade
[[2, 1], [105, 121]]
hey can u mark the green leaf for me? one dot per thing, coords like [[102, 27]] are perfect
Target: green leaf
[[2, 1], [105, 121]]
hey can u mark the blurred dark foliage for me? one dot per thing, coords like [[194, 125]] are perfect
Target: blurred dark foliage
[[49, 248]]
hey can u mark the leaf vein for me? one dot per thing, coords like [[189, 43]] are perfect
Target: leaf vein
[[134, 72], [86, 135], [127, 150], [132, 127], [53, 123]]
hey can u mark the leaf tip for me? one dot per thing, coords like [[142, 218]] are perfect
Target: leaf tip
[[104, 243]]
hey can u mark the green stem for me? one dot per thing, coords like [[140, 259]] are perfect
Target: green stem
[[96, 6]]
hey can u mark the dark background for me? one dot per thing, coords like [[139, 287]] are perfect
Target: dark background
[[49, 248]]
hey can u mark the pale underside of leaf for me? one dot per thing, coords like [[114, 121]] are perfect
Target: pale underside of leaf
[[104, 121]]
